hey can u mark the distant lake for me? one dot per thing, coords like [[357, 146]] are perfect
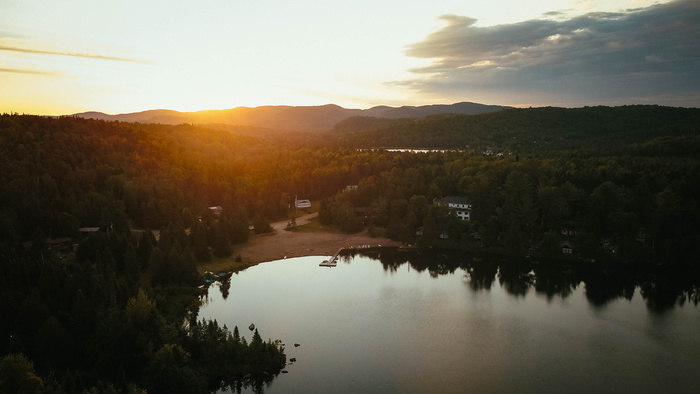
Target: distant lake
[[407, 323], [413, 150], [422, 150]]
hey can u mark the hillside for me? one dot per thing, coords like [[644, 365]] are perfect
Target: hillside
[[289, 118], [617, 169], [535, 129]]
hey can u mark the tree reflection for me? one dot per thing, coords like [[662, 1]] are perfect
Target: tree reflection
[[604, 285], [225, 287], [516, 279], [257, 384], [662, 288], [481, 275], [668, 287], [391, 261]]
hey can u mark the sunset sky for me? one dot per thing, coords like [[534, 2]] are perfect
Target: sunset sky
[[63, 57]]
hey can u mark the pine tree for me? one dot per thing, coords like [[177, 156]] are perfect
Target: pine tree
[[156, 265], [201, 244], [132, 268], [147, 242], [220, 239]]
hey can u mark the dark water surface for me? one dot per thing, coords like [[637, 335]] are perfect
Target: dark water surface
[[470, 326]]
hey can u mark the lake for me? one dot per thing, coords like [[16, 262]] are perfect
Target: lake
[[392, 322]]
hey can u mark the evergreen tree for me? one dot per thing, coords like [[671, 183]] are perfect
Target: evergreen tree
[[430, 231], [132, 268], [201, 243], [17, 375], [170, 371], [261, 225], [220, 239], [156, 266], [147, 242], [189, 274], [239, 231]]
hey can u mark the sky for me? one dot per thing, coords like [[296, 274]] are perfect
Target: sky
[[69, 56]]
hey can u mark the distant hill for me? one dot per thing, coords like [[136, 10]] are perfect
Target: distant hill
[[641, 127], [427, 110], [302, 118]]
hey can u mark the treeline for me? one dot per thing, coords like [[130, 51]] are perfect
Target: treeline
[[582, 132], [640, 209]]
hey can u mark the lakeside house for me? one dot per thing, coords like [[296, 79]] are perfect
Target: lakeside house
[[566, 247], [460, 206]]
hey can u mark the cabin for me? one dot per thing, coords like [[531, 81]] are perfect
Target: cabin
[[460, 206], [566, 247]]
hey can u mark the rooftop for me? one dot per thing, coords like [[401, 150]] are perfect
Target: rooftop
[[453, 200]]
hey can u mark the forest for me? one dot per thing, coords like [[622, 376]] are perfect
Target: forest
[[92, 301]]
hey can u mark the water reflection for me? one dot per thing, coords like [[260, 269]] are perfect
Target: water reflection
[[516, 279], [662, 288], [390, 321]]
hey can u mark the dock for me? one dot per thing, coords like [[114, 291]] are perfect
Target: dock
[[328, 263], [333, 261]]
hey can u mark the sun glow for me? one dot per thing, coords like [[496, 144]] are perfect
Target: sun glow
[[65, 57]]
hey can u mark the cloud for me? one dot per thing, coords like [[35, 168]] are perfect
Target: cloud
[[81, 55], [21, 71], [637, 55]]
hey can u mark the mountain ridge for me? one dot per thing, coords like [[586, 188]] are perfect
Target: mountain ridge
[[290, 118]]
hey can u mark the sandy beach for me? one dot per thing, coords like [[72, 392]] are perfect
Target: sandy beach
[[280, 244]]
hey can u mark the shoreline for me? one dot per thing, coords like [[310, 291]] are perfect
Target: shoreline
[[281, 244]]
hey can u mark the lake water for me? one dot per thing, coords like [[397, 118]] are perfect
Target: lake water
[[398, 323]]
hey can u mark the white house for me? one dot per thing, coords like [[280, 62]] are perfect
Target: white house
[[302, 203], [459, 205]]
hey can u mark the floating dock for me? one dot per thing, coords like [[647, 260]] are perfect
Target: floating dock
[[328, 263], [333, 261]]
